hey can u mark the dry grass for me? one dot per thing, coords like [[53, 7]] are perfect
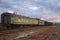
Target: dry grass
[[40, 33]]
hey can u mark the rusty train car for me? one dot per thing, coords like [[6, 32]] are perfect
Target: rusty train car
[[12, 20]]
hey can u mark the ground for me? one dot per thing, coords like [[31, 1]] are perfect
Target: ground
[[31, 33]]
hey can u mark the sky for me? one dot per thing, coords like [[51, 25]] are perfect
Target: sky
[[48, 10]]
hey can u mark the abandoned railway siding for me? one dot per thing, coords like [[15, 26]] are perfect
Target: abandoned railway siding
[[31, 33]]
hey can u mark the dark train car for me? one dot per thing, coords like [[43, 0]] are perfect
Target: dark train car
[[5, 18], [48, 23]]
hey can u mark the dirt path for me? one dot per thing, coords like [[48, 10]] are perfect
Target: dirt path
[[32, 33]]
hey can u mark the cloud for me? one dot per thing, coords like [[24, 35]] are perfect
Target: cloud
[[33, 8], [54, 17], [45, 9]]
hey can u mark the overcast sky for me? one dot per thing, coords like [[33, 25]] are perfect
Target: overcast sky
[[44, 9]]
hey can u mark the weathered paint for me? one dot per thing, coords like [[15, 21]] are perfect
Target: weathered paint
[[41, 22], [19, 20]]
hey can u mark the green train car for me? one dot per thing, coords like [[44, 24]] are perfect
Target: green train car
[[12, 20], [23, 20]]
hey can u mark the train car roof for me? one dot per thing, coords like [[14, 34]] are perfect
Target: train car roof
[[13, 14]]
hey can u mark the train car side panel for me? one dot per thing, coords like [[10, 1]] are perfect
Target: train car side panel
[[41, 22], [21, 20]]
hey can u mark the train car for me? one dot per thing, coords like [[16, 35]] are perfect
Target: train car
[[12, 20], [48, 23], [41, 22]]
